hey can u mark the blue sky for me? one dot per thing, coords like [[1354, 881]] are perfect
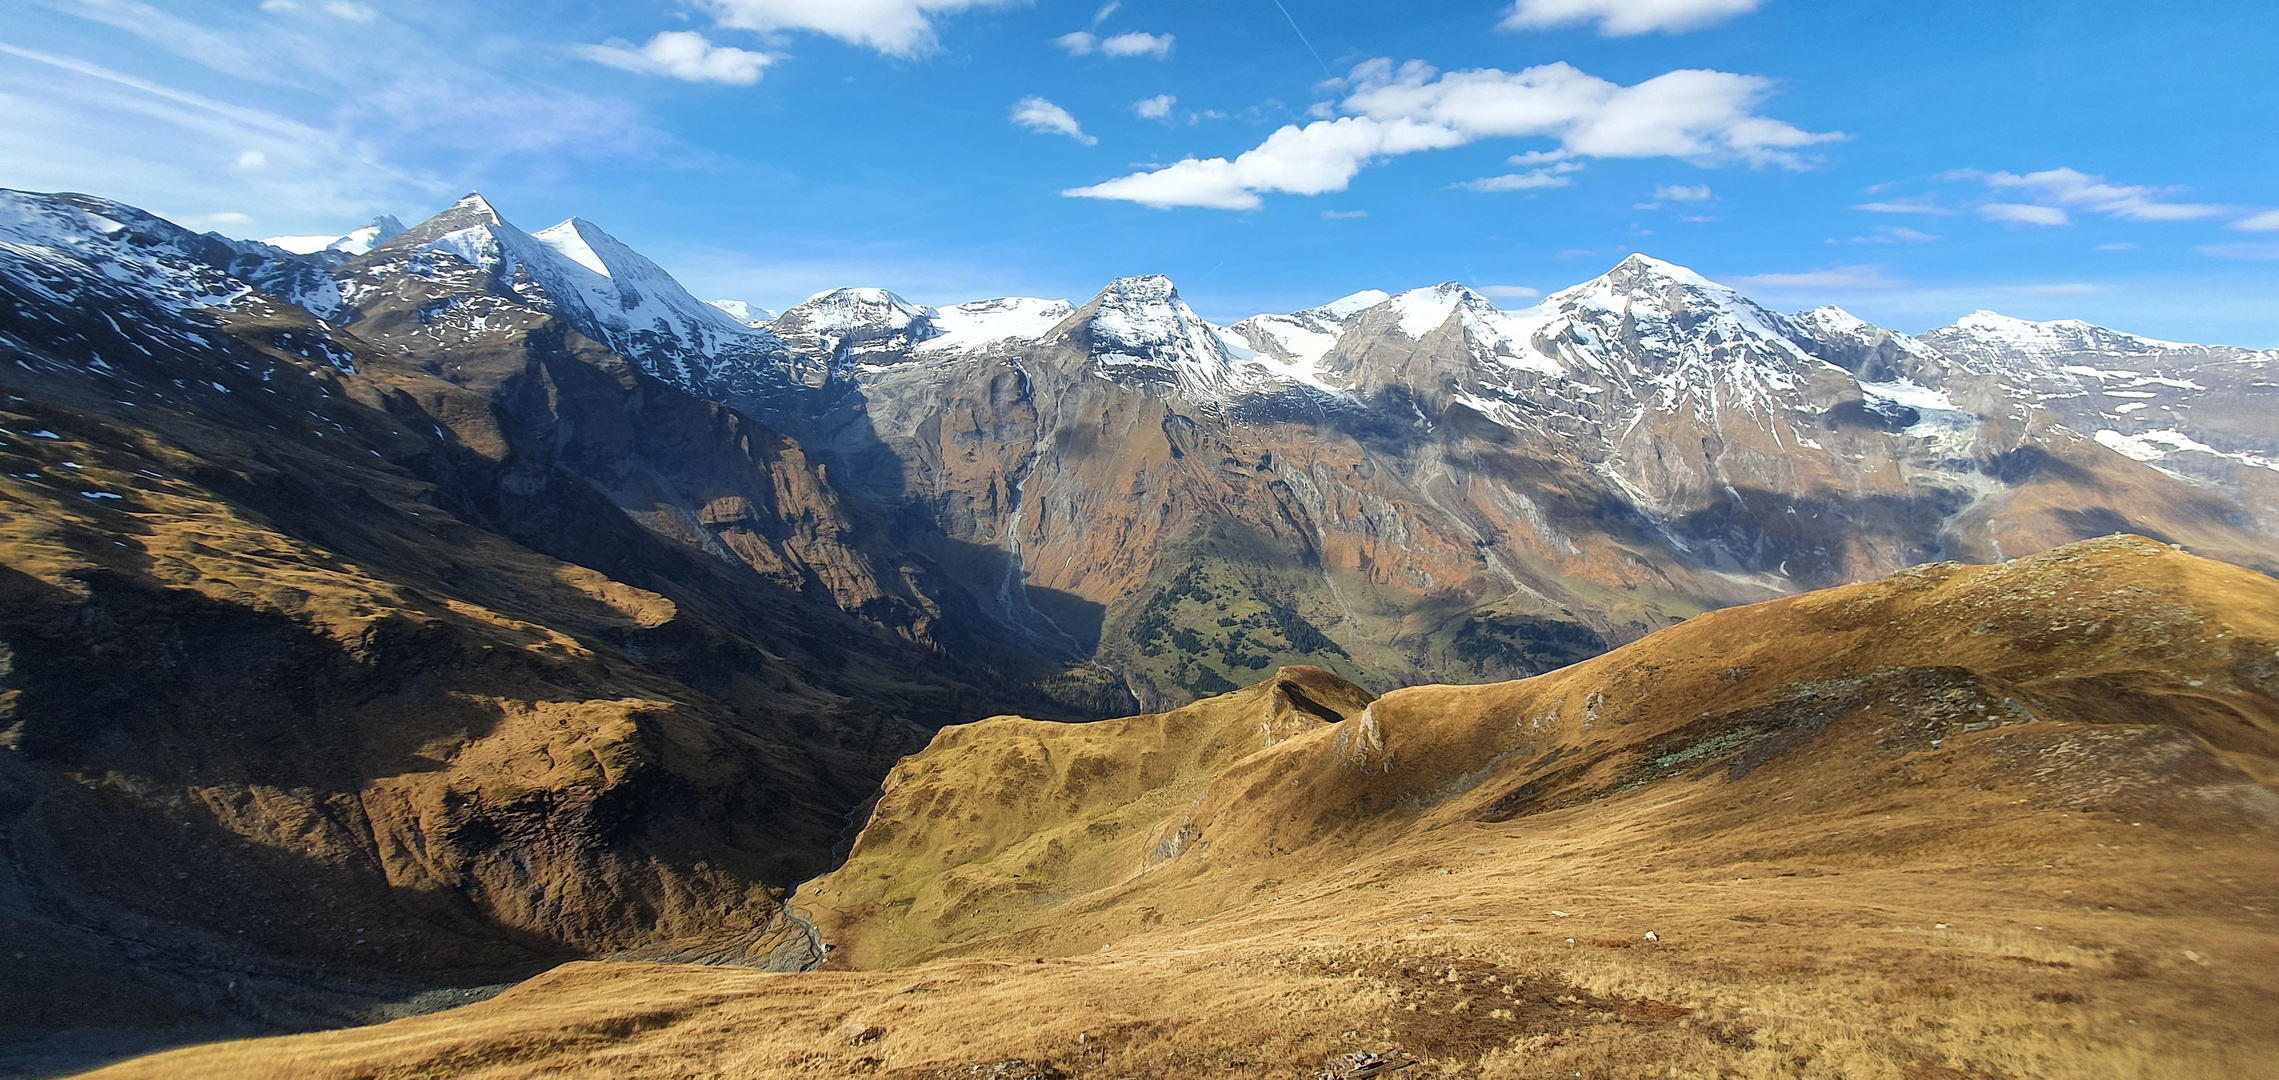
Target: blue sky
[[2116, 162]]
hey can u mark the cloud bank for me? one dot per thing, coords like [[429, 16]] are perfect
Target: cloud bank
[[1703, 117]]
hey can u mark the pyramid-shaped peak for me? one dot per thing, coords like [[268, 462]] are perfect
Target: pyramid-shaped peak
[[1655, 283], [473, 204], [471, 212], [1643, 267]]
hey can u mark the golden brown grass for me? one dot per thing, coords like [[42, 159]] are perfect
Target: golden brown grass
[[1970, 822]]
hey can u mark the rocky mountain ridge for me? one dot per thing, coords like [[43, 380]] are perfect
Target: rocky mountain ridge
[[1648, 432]]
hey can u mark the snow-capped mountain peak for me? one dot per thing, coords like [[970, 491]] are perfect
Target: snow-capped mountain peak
[[2024, 338], [856, 324], [1645, 281], [1141, 328], [583, 275]]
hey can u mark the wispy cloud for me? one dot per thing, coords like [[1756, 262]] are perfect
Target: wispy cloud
[[681, 54], [2024, 214], [1039, 115], [206, 160], [304, 122], [1509, 292], [1625, 18], [1897, 234], [2072, 189], [2267, 221], [1705, 117], [1549, 176], [1920, 204], [1343, 215]]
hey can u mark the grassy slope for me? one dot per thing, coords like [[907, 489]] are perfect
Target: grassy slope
[[1966, 822]]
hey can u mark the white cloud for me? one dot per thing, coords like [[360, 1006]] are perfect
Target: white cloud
[[1138, 44], [1343, 215], [1508, 292], [2024, 214], [2076, 190], [1084, 43], [1155, 108], [1623, 18], [252, 161], [1705, 117], [1834, 277], [893, 27], [2118, 247], [1110, 8], [1037, 114], [355, 13], [681, 54], [279, 7], [2267, 221], [1681, 193]]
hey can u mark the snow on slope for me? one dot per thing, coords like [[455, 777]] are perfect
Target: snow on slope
[[985, 322], [356, 241], [151, 281], [749, 315]]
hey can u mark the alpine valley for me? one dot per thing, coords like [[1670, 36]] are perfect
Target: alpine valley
[[392, 617]]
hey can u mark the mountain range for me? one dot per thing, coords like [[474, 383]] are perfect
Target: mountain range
[[427, 606]]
